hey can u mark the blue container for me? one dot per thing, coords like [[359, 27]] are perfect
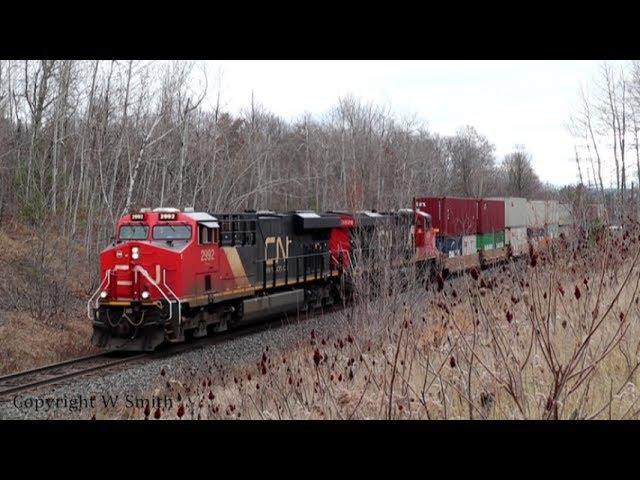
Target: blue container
[[450, 246]]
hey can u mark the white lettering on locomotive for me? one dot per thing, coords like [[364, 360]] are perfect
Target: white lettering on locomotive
[[282, 248], [207, 255]]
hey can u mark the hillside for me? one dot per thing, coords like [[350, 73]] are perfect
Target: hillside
[[43, 292]]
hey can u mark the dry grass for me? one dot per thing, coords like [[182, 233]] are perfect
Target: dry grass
[[556, 336], [26, 343], [42, 318]]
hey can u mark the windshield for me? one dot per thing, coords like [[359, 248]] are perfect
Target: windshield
[[171, 232], [134, 232]]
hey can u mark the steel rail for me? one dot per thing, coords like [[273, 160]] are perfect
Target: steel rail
[[15, 385]]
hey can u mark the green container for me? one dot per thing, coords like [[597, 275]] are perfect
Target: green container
[[490, 241], [485, 241]]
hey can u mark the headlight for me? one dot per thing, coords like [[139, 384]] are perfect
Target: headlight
[[135, 253], [145, 294], [103, 294]]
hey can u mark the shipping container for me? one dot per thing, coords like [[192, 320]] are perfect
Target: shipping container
[[499, 239], [450, 216], [469, 245], [516, 238], [551, 213], [565, 216], [536, 232], [516, 212], [552, 231], [537, 213], [485, 241], [490, 216], [449, 245]]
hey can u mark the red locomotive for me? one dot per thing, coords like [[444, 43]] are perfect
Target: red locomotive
[[171, 274]]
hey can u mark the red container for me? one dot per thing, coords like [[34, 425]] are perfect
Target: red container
[[451, 216], [490, 216]]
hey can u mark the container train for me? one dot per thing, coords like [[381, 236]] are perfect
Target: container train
[[172, 274]]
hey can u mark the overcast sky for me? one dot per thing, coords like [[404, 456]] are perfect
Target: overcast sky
[[510, 102]]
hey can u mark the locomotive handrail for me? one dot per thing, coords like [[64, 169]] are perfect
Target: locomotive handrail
[[146, 275], [315, 254], [107, 277], [314, 269], [164, 280]]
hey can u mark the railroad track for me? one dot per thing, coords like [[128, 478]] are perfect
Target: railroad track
[[57, 372]]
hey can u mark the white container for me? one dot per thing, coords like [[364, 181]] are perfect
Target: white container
[[537, 213], [564, 214], [469, 245], [516, 212], [517, 239], [552, 213]]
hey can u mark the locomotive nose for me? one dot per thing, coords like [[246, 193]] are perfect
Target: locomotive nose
[[125, 272], [134, 269]]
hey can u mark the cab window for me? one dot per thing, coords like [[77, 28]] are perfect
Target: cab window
[[205, 235], [172, 232], [208, 235], [133, 232]]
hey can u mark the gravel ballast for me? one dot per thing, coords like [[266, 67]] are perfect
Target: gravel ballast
[[73, 399]]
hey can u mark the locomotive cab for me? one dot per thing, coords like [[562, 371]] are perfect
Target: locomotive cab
[[148, 276], [425, 239]]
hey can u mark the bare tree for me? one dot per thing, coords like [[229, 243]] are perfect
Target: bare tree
[[612, 110], [583, 128], [522, 180], [471, 162]]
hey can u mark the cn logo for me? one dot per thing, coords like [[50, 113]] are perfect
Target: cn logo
[[282, 247]]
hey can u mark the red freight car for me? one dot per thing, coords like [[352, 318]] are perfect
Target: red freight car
[[451, 216], [490, 216]]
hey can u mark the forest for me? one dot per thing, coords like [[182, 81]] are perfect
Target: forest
[[86, 141]]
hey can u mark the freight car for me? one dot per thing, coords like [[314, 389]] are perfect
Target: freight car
[[477, 233], [174, 274], [469, 231]]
